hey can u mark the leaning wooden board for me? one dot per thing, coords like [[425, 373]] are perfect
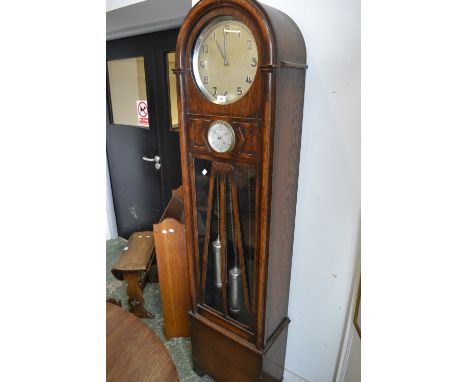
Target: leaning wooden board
[[171, 256], [169, 238]]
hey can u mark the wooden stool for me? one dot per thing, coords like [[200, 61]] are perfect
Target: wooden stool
[[133, 266]]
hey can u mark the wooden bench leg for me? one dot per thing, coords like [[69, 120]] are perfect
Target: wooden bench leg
[[135, 296]]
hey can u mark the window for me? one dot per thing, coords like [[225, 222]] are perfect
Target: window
[[172, 91], [127, 85]]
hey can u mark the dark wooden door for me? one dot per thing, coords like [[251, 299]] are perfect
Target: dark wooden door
[[144, 160]]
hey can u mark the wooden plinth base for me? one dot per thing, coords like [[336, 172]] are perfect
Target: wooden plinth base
[[226, 357]]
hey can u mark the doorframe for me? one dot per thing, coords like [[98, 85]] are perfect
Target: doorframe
[[143, 13], [350, 334], [111, 226], [154, 26]]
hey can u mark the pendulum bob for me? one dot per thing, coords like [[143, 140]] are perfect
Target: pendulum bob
[[218, 280], [235, 289]]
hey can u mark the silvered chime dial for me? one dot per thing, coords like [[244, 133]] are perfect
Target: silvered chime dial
[[221, 136]]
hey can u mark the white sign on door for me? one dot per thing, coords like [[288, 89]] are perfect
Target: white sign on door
[[142, 113]]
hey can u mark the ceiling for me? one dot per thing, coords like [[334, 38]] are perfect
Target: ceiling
[[133, 17]]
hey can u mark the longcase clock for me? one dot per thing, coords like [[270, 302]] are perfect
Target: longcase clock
[[240, 69]]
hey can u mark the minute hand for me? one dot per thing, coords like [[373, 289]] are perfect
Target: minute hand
[[221, 51], [225, 51], [226, 31]]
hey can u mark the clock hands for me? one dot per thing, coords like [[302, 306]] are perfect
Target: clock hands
[[226, 30], [221, 51], [225, 52], [220, 137]]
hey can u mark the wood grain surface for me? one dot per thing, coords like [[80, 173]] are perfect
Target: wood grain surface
[[138, 252], [267, 122], [133, 352], [171, 253]]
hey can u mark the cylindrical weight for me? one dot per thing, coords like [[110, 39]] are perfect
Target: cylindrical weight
[[235, 289], [218, 280]]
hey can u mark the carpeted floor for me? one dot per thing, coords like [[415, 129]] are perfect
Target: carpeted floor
[[179, 348]]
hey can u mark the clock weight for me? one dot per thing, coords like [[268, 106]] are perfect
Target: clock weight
[[235, 288], [217, 262]]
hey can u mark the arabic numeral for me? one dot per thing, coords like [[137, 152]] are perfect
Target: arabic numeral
[[254, 62], [205, 48], [249, 44], [205, 80], [215, 89], [239, 90], [202, 64], [248, 80]]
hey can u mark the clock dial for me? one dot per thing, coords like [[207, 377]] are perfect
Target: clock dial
[[221, 136], [225, 60]]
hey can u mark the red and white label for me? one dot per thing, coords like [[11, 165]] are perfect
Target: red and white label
[[142, 113]]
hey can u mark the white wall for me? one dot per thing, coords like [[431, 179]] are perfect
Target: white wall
[[328, 205]]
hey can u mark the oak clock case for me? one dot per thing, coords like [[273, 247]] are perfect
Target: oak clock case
[[240, 70]]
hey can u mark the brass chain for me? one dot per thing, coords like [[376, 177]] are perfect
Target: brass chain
[[249, 212], [232, 220]]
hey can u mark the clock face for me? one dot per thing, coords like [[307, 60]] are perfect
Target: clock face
[[221, 137], [225, 60]]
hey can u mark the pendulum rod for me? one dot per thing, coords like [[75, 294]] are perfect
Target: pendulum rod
[[209, 211], [238, 240]]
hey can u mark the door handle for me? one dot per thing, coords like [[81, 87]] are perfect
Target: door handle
[[155, 159]]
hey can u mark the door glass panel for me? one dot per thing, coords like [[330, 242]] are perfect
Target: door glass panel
[[172, 91], [225, 204], [127, 84]]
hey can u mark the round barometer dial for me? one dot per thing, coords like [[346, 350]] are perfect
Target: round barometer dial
[[225, 60], [221, 136]]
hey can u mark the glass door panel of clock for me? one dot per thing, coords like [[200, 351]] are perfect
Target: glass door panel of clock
[[226, 238]]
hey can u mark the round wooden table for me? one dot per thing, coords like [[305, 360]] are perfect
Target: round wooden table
[[134, 352]]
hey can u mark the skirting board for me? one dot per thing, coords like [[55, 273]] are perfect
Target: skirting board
[[289, 376]]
